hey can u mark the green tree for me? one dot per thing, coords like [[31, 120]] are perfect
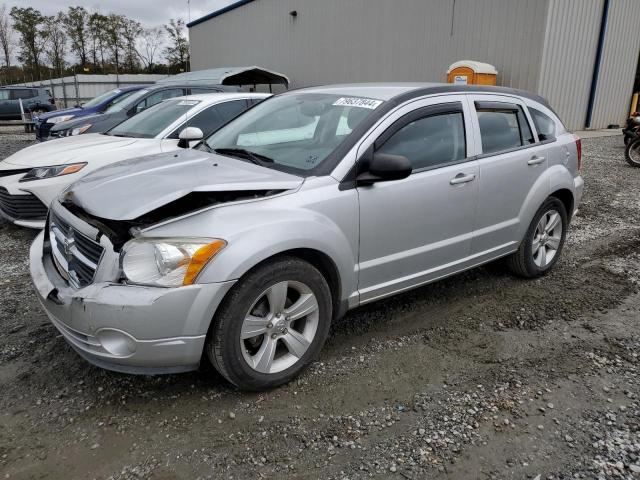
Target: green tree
[[97, 26], [29, 23], [131, 31], [76, 23], [114, 40], [56, 38], [177, 53]]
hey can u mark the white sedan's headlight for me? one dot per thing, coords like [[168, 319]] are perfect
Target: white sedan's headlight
[[40, 173], [167, 262], [61, 118]]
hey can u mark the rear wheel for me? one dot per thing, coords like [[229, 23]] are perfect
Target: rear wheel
[[543, 242], [632, 153], [271, 325]]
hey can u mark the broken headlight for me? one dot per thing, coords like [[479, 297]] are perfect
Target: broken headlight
[[40, 173], [167, 262]]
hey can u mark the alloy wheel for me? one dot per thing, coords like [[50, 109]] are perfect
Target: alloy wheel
[[547, 238], [279, 327]]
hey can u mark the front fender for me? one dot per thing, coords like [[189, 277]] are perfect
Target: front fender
[[280, 232]]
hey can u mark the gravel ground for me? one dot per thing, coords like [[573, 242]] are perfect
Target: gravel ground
[[478, 376]]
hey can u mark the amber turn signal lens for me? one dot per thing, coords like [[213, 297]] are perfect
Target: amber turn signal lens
[[200, 258], [76, 167]]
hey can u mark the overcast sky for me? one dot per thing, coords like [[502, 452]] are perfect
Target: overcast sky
[[148, 12]]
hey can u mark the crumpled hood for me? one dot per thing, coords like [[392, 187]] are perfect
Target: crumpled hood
[[64, 150], [127, 190]]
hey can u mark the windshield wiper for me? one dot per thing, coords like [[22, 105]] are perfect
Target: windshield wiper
[[256, 158]]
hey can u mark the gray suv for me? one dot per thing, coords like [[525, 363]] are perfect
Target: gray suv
[[314, 202], [34, 99]]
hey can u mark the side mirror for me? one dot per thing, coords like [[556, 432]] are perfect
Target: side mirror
[[384, 167], [189, 134]]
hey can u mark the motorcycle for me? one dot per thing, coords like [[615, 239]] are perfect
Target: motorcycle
[[631, 130], [632, 152]]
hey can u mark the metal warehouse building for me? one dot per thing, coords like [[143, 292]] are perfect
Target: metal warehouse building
[[580, 54]]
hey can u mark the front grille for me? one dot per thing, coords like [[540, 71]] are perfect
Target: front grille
[[16, 171], [42, 130], [75, 255], [22, 207]]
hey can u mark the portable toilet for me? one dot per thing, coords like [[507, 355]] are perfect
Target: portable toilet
[[470, 72]]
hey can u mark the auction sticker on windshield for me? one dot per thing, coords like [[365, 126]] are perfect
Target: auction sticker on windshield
[[358, 102]]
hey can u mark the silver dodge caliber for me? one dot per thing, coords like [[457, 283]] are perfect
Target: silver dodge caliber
[[245, 248]]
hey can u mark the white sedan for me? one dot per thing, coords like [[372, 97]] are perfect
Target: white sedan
[[31, 178]]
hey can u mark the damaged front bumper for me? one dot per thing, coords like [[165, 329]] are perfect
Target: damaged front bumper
[[128, 328]]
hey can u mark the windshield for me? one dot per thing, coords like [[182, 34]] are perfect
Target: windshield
[[294, 131], [131, 99], [102, 98], [150, 122]]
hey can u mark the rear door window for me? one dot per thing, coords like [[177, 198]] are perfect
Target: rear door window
[[503, 127]]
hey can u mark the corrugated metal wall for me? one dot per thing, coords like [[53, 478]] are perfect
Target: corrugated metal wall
[[334, 41], [619, 63], [569, 55]]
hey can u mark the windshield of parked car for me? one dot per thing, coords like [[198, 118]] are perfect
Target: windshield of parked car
[[151, 122], [105, 97], [294, 132], [131, 99]]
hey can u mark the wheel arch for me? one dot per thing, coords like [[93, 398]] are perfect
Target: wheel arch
[[566, 197], [323, 263]]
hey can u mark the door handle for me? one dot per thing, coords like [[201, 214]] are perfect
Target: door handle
[[462, 178], [535, 160]]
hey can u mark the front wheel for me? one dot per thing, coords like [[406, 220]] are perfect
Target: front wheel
[[543, 242], [632, 153], [271, 325]]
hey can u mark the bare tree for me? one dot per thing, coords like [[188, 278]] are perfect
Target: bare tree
[[6, 35], [148, 44], [97, 28]]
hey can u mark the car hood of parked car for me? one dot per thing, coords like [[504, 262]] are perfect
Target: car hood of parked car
[[100, 122], [58, 113], [66, 150], [132, 188]]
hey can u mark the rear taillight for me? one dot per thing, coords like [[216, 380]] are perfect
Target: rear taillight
[[579, 151]]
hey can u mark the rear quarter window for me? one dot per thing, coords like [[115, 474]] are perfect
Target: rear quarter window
[[544, 124]]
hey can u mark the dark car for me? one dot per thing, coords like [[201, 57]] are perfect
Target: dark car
[[44, 122], [34, 99], [135, 103]]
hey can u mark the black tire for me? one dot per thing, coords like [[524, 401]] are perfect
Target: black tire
[[224, 346], [632, 153], [522, 261]]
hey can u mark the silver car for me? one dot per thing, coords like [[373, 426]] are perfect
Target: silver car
[[316, 201]]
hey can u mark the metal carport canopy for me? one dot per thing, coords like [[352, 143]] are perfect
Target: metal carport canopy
[[230, 76]]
